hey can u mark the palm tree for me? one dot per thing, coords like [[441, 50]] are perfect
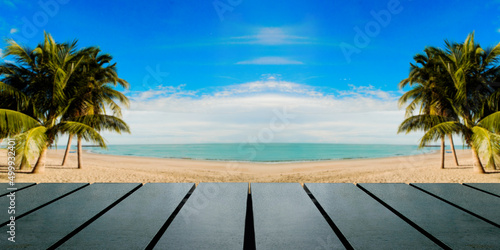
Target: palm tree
[[430, 86], [38, 86], [93, 93], [472, 71]]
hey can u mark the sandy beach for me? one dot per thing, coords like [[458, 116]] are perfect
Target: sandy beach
[[110, 168]]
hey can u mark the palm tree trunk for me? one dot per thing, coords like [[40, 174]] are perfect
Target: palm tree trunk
[[79, 152], [40, 163], [442, 152], [478, 167], [453, 149], [67, 150]]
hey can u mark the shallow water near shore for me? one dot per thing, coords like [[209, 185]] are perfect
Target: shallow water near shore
[[270, 152]]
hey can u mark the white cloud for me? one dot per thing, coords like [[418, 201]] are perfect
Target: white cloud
[[267, 87], [243, 112], [270, 60], [161, 91], [271, 36], [1, 53], [14, 30], [365, 90]]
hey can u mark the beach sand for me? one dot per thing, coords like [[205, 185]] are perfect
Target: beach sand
[[108, 168]]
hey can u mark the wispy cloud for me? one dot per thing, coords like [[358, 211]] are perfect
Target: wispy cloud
[[271, 60], [270, 85], [14, 30], [271, 36], [364, 91], [161, 92], [235, 113]]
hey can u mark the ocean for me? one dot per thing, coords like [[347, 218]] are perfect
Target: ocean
[[272, 152]]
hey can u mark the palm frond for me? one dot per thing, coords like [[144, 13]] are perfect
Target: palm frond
[[85, 131], [10, 91], [494, 100], [440, 130], [23, 55], [421, 123], [487, 144], [14, 122], [491, 122], [29, 144], [103, 122]]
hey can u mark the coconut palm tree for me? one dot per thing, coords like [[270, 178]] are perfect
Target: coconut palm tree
[[473, 71], [94, 92], [34, 86], [38, 85], [429, 82], [472, 98]]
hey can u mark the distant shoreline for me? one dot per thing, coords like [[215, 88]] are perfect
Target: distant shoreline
[[270, 153], [262, 162]]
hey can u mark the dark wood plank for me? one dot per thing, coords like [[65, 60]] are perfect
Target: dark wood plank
[[134, 222], [6, 188], [448, 224], [365, 222], [35, 197], [212, 218], [48, 225], [475, 201], [286, 218], [492, 188]]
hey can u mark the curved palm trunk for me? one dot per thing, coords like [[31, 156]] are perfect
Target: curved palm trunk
[[442, 152], [79, 152], [478, 167], [67, 150], [40, 163], [453, 149]]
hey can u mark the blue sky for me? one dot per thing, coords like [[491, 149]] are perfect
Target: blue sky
[[218, 71]]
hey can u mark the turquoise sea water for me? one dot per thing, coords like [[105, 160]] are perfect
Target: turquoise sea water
[[274, 152]]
